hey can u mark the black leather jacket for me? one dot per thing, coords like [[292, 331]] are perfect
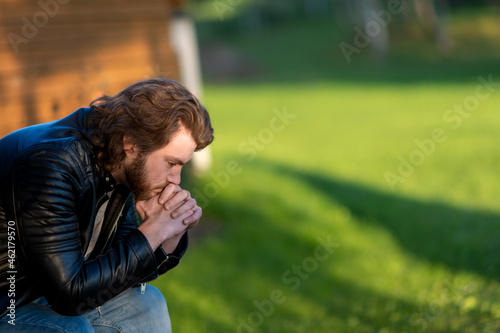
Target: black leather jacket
[[50, 187]]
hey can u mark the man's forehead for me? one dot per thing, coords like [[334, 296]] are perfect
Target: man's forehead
[[180, 148]]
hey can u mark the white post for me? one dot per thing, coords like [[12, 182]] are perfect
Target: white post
[[184, 42]]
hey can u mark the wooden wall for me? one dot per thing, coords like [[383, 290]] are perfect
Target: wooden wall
[[58, 55]]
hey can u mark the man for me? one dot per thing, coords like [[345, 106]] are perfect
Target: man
[[91, 210]]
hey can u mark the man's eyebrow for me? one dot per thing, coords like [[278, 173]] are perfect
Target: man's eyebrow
[[175, 160]]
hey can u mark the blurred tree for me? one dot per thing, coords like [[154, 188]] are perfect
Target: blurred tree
[[357, 15], [432, 15], [369, 20]]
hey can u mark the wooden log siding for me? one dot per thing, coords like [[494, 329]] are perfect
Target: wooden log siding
[[57, 57]]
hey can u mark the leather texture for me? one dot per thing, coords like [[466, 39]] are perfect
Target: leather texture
[[50, 189]]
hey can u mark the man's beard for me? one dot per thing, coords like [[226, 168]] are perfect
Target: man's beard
[[135, 175]]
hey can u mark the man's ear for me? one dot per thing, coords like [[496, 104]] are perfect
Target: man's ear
[[129, 146]]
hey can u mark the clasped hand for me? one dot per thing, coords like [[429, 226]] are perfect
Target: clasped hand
[[167, 216]]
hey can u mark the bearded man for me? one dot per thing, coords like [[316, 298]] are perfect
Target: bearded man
[[91, 210]]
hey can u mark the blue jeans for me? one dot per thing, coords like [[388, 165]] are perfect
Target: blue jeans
[[126, 313]]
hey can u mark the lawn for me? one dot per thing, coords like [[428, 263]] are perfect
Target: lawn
[[345, 198]]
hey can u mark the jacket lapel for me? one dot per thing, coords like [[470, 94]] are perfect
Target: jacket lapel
[[111, 216]]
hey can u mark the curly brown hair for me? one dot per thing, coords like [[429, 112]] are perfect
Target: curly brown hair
[[150, 111]]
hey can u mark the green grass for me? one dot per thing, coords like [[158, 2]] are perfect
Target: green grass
[[421, 257]]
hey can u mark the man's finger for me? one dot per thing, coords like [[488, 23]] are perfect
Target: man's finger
[[184, 207], [193, 219], [178, 197], [168, 192]]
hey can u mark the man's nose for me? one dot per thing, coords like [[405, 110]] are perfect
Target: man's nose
[[174, 177]]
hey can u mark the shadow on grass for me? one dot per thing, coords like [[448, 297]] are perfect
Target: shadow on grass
[[462, 239], [236, 268], [260, 262], [252, 254]]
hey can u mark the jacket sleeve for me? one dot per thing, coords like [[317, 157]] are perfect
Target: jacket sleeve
[[165, 261], [47, 185]]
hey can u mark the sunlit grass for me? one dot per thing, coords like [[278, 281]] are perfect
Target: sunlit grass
[[401, 253], [421, 256]]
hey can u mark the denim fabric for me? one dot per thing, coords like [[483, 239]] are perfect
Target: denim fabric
[[129, 312]]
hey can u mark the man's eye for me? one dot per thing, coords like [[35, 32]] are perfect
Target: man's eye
[[171, 164]]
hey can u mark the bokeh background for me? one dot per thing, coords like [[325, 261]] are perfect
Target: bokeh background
[[353, 183]]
